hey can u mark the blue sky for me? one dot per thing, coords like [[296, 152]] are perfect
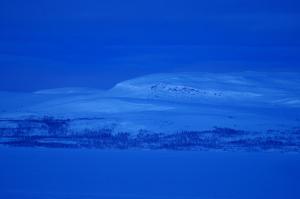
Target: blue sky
[[92, 43]]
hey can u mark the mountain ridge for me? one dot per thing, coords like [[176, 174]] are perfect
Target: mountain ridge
[[172, 102]]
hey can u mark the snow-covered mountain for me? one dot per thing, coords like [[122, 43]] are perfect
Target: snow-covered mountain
[[170, 103], [244, 88]]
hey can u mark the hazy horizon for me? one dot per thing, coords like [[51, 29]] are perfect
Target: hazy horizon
[[49, 44]]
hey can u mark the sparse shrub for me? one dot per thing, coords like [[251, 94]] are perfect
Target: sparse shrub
[[55, 127], [226, 132]]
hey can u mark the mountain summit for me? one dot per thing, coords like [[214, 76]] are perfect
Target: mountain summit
[[248, 87]]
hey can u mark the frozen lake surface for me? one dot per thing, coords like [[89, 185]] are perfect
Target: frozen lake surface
[[40, 173]]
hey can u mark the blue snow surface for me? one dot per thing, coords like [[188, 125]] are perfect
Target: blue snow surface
[[42, 173], [157, 99], [160, 136]]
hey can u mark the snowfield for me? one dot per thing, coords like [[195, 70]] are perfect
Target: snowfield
[[138, 174], [254, 110], [163, 136]]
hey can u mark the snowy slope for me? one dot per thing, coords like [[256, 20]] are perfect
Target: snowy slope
[[68, 91], [245, 88], [171, 102]]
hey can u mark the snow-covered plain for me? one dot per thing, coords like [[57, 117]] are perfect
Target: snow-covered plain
[[42, 173]]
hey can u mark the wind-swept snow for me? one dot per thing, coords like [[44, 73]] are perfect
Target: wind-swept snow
[[243, 88], [169, 103], [69, 90]]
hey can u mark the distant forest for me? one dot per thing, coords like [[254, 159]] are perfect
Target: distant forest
[[55, 133]]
